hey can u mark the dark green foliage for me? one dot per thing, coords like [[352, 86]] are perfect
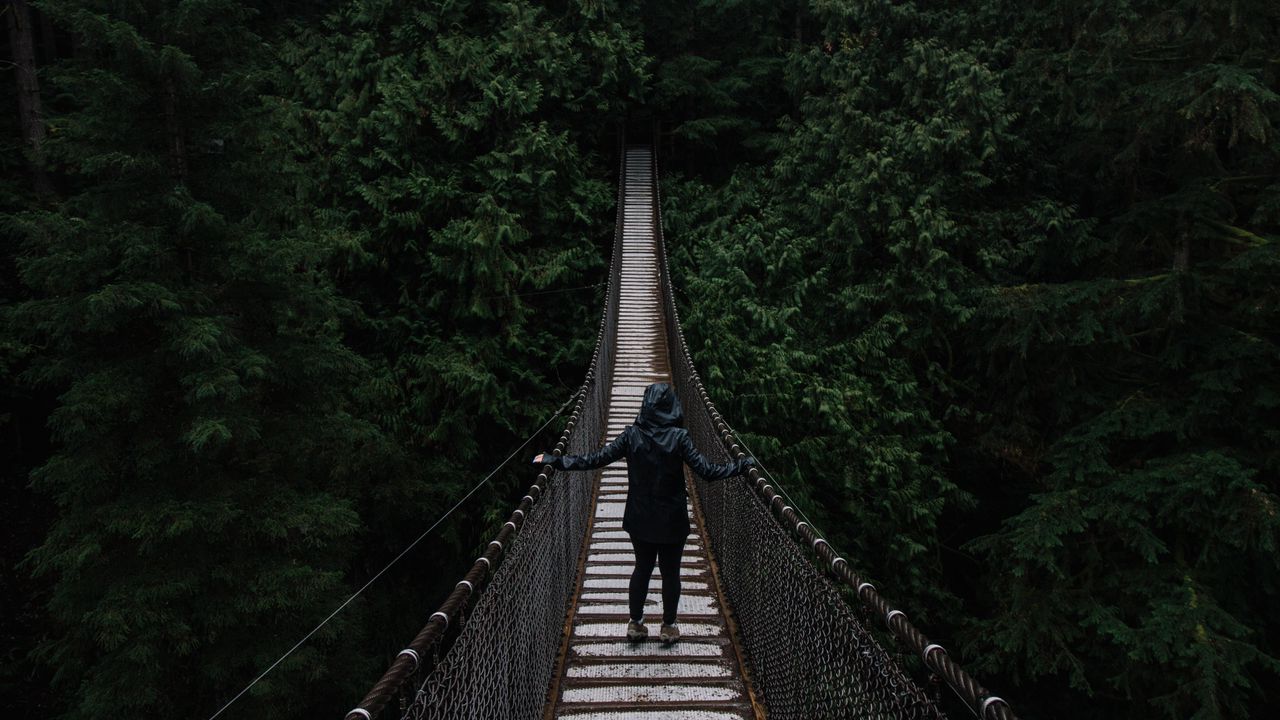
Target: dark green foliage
[[716, 68], [859, 238], [208, 457], [289, 292], [454, 150], [309, 268], [1019, 264], [1144, 353], [23, 436], [463, 156]]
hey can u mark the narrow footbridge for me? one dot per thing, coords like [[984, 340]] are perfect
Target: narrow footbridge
[[774, 624]]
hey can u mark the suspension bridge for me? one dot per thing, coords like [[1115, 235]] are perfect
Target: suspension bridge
[[774, 623]]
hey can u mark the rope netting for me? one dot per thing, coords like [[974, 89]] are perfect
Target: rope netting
[[811, 654], [504, 658]]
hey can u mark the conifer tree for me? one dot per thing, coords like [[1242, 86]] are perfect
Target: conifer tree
[[850, 262], [207, 457], [19, 18], [463, 158], [989, 285], [1047, 244], [1140, 356], [716, 77], [466, 154]]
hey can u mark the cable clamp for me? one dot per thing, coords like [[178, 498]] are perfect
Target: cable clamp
[[819, 540], [930, 648], [865, 585], [361, 712], [442, 616], [513, 525], [888, 618], [470, 588], [987, 703], [495, 542], [412, 654]]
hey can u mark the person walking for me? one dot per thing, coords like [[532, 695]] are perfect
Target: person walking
[[656, 446]]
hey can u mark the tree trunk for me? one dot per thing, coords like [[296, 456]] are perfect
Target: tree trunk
[[177, 145], [30, 111], [48, 38], [1182, 253], [1181, 262]]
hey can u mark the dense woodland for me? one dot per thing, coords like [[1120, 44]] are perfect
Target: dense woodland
[[993, 286]]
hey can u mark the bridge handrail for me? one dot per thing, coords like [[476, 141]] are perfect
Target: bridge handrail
[[985, 705], [430, 640]]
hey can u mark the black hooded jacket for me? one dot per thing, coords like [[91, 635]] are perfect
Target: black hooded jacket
[[656, 448]]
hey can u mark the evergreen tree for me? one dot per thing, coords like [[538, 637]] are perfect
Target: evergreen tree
[[1032, 259], [463, 158], [464, 154], [850, 262], [716, 84], [1138, 357], [207, 457], [990, 286], [454, 148]]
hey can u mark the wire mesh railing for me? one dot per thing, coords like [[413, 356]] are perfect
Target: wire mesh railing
[[491, 654], [810, 654]]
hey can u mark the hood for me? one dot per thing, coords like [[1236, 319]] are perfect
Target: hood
[[660, 408]]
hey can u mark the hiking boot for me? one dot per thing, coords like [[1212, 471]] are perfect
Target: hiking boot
[[636, 631], [669, 634]]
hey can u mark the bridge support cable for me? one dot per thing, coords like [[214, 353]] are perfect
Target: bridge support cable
[[489, 649], [810, 655], [425, 533]]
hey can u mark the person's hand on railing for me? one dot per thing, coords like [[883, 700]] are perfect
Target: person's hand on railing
[[548, 459]]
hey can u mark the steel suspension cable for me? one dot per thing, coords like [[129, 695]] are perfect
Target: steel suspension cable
[[772, 478], [397, 558]]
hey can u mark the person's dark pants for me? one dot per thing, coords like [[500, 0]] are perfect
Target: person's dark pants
[[667, 555]]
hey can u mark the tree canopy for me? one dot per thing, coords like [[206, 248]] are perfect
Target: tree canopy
[[280, 278]]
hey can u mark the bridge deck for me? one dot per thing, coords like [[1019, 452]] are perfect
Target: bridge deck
[[606, 677]]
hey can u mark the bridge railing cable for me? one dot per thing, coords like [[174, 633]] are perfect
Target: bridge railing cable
[[520, 450], [810, 653], [490, 649]]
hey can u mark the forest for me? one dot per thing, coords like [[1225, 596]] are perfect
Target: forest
[[994, 286]]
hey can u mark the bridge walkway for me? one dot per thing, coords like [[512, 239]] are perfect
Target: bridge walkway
[[604, 676]]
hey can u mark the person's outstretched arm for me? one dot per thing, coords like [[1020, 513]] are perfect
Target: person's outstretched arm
[[590, 461], [708, 469]]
